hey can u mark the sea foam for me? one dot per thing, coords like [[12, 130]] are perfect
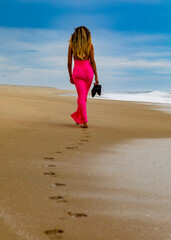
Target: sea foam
[[145, 96]]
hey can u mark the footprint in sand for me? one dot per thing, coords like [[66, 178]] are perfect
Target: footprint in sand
[[71, 147], [50, 173], [54, 233], [59, 184], [84, 140], [52, 165], [59, 152], [80, 143], [58, 198], [77, 214], [48, 158]]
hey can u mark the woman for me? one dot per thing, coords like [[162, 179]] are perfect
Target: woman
[[81, 48]]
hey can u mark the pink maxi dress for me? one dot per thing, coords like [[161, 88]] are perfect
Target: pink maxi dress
[[82, 76]]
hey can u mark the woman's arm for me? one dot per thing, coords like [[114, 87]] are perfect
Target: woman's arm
[[93, 64], [70, 64]]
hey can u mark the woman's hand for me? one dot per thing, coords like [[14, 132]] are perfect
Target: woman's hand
[[71, 80], [96, 81]]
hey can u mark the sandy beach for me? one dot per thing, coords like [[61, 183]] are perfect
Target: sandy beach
[[58, 181]]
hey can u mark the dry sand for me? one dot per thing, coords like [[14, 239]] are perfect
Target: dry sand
[[58, 181]]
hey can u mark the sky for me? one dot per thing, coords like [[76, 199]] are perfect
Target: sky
[[131, 38]]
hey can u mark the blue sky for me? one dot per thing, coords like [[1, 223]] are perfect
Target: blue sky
[[132, 41]]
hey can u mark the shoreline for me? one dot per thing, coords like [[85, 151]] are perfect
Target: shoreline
[[67, 92], [52, 170]]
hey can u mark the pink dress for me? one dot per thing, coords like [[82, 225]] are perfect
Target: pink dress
[[82, 76]]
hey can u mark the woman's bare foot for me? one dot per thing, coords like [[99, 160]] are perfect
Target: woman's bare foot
[[84, 125]]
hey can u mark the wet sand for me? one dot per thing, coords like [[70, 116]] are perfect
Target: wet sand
[[58, 181]]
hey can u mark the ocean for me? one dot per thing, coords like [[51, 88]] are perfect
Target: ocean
[[140, 96]]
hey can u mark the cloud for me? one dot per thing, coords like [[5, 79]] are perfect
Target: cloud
[[3, 59], [164, 54], [113, 62], [39, 57]]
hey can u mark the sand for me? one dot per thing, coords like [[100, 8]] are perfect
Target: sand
[[58, 181]]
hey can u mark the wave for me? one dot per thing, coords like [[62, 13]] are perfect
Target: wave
[[145, 96]]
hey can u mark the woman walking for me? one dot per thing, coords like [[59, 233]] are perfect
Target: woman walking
[[81, 48]]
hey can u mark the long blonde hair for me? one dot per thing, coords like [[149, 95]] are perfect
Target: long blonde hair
[[80, 42]]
